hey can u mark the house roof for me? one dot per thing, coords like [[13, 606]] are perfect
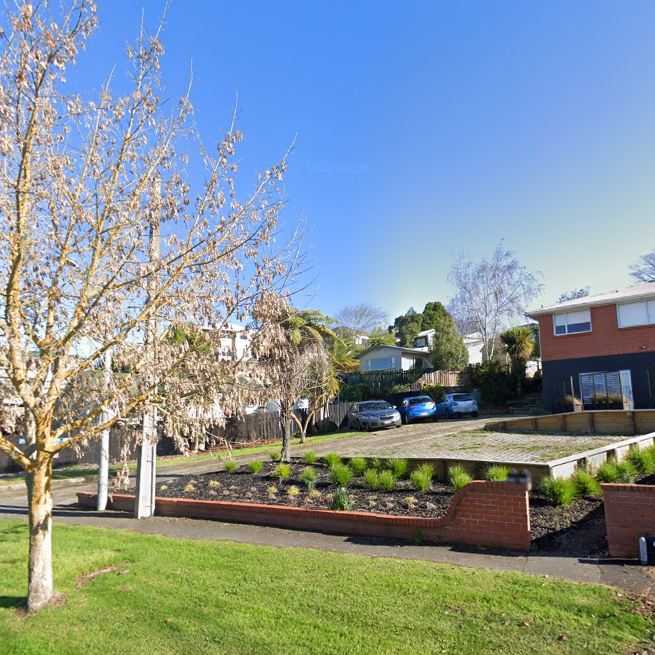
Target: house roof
[[376, 346], [634, 292]]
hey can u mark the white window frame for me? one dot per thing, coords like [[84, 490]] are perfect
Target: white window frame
[[650, 319], [568, 334]]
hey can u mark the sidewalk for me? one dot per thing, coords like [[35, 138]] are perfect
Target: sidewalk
[[625, 574]]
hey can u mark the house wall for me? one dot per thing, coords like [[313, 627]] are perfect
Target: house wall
[[605, 338], [557, 377]]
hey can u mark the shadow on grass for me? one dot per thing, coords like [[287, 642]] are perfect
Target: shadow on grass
[[12, 602]]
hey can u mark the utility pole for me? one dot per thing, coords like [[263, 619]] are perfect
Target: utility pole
[[103, 464], [144, 504]]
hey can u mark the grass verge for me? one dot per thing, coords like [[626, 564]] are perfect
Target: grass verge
[[181, 596]]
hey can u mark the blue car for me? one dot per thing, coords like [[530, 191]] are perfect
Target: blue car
[[418, 407], [456, 405]]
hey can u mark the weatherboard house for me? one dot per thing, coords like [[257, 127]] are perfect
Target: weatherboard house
[[598, 352]]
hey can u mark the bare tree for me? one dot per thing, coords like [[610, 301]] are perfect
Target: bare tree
[[87, 185], [644, 268], [574, 294], [362, 317], [490, 293]]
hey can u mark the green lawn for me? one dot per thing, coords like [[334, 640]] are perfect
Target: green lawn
[[80, 472], [209, 597]]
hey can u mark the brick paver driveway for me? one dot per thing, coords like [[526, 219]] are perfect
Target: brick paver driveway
[[465, 439]]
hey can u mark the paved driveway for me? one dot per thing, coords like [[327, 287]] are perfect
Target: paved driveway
[[466, 439]]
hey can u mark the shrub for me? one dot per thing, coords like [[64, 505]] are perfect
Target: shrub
[[387, 480], [421, 479], [189, 488], [640, 460], [309, 477], [626, 471], [650, 451], [282, 472], [271, 491], [331, 459], [357, 465], [607, 471], [559, 491], [255, 467], [371, 479], [586, 485], [231, 466], [275, 456], [459, 476], [341, 502], [376, 463], [341, 475], [496, 474], [310, 457], [293, 491], [398, 467]]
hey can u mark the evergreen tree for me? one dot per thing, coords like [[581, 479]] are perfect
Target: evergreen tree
[[447, 348], [407, 327]]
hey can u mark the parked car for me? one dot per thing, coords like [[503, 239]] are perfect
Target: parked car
[[418, 407], [456, 405], [373, 414]]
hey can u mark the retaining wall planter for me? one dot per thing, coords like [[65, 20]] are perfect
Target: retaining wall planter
[[493, 514], [629, 514]]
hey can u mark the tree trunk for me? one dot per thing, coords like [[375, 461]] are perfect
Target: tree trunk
[[285, 455], [39, 495]]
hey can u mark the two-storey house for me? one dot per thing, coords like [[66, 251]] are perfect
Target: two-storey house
[[598, 352]]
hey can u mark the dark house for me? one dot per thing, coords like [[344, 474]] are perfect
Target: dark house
[[598, 352]]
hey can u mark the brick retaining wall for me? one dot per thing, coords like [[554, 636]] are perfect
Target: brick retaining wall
[[629, 514], [480, 514]]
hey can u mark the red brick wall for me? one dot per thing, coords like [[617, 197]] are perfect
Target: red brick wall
[[606, 338], [629, 514], [481, 513]]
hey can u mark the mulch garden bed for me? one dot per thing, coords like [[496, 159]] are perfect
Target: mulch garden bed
[[576, 530]]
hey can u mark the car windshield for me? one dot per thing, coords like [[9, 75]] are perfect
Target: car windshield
[[372, 407], [462, 397], [420, 401]]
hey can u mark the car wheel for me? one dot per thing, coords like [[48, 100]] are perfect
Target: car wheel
[[474, 414], [435, 418], [403, 418], [449, 414]]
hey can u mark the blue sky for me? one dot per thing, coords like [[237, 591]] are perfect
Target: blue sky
[[425, 128]]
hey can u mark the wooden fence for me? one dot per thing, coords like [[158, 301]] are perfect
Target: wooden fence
[[382, 381]]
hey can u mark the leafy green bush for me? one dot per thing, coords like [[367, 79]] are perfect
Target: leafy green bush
[[357, 465], [341, 475], [650, 452], [559, 491], [376, 463], [495, 380], [371, 479], [341, 502], [387, 480], [309, 477], [310, 457], [398, 467], [282, 472], [459, 476], [626, 471], [331, 459], [255, 467], [640, 460], [586, 485], [496, 474], [275, 456], [421, 477], [607, 471], [231, 466]]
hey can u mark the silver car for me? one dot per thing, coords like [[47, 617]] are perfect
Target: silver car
[[372, 415]]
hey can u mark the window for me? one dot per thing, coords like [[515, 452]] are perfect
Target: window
[[420, 342], [607, 390], [636, 313], [573, 322], [381, 364]]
